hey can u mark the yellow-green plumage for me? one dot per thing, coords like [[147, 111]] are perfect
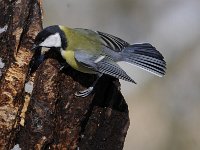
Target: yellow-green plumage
[[96, 53], [78, 40]]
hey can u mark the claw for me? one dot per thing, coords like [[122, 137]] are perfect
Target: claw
[[85, 92], [89, 90], [64, 65], [61, 68]]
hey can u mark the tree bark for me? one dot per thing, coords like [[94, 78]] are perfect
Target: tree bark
[[51, 116], [20, 21]]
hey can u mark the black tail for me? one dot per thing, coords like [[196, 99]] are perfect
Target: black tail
[[146, 57]]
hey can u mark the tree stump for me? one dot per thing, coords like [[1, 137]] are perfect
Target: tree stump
[[50, 116]]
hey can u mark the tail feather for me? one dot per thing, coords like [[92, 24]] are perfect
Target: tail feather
[[147, 50], [153, 62], [146, 57], [152, 69]]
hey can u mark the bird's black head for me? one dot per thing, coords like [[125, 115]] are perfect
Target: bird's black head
[[50, 37]]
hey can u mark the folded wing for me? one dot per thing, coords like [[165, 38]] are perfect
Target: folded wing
[[101, 64]]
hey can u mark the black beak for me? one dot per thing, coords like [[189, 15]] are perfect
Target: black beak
[[36, 60], [34, 47]]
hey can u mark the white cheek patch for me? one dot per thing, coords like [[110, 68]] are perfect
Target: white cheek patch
[[52, 41]]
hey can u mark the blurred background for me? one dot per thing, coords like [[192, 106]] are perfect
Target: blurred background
[[164, 112]]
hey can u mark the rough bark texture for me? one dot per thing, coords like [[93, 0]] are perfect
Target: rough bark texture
[[52, 116], [20, 21]]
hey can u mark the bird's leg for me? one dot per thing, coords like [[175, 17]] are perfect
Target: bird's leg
[[63, 66], [89, 90]]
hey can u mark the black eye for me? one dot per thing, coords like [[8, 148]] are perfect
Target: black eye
[[42, 39]]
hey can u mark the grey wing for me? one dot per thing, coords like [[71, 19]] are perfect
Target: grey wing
[[101, 64], [110, 41]]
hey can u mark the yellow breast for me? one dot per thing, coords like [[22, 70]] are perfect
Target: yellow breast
[[70, 59], [76, 41]]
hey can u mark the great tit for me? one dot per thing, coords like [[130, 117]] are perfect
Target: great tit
[[96, 52]]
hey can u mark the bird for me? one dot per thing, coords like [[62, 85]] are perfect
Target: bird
[[95, 52]]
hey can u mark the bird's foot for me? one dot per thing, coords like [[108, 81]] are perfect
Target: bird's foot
[[63, 66], [85, 92]]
